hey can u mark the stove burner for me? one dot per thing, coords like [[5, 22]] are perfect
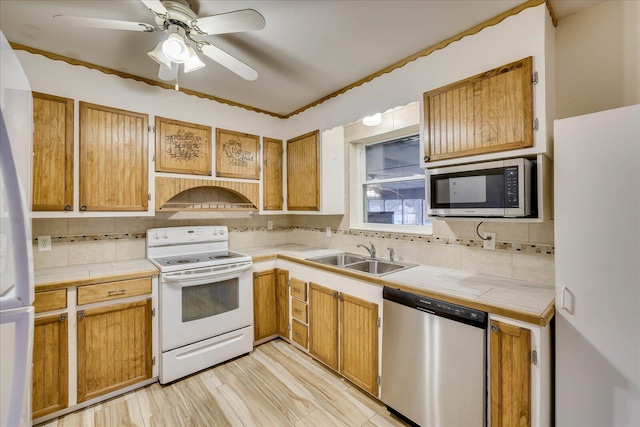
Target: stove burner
[[182, 261]]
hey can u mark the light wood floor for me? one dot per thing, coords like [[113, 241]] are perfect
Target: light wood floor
[[275, 385]]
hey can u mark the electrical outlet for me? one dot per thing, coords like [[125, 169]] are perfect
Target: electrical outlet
[[490, 243], [269, 225], [328, 231], [44, 243]]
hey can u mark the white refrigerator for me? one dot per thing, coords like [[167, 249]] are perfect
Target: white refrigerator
[[16, 266], [597, 242]]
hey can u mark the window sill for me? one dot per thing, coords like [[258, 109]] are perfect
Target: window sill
[[424, 230]]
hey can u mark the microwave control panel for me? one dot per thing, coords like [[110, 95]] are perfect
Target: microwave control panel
[[511, 187]]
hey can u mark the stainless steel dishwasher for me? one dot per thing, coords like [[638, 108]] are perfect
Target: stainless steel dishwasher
[[433, 361]]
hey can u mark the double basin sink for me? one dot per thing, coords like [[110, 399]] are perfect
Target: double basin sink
[[359, 263]]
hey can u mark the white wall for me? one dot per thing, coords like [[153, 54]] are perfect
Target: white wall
[[598, 59]]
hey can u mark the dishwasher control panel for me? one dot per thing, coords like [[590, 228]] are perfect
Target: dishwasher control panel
[[433, 306]]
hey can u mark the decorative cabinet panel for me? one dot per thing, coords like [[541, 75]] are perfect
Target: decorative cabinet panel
[[282, 302], [323, 324], [359, 342], [113, 159], [50, 381], [486, 113], [510, 354], [237, 154], [114, 347], [265, 320], [182, 147], [303, 172], [52, 153], [272, 174]]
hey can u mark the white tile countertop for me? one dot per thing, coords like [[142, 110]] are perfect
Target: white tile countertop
[[526, 301], [83, 274]]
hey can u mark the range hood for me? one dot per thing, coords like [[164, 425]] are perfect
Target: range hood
[[185, 194]]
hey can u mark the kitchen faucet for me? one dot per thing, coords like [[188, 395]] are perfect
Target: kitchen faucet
[[372, 250], [391, 254]]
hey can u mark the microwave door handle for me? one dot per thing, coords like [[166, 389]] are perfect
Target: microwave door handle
[[218, 274]]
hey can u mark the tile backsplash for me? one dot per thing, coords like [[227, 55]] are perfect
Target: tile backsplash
[[524, 251]]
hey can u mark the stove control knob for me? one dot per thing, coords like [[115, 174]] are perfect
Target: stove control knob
[[222, 232], [165, 235], [155, 235], [214, 231]]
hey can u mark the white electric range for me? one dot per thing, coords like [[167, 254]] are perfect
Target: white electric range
[[206, 298]]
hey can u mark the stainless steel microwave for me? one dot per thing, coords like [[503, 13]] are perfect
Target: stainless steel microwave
[[501, 188]]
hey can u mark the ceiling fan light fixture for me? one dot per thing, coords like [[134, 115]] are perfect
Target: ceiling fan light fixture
[[374, 120], [193, 62], [158, 56], [175, 48]]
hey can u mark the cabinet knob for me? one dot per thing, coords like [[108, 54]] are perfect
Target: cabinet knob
[[80, 314], [425, 158], [67, 208], [83, 207], [494, 328]]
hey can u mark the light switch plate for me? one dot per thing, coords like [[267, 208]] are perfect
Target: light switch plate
[[269, 225], [328, 231], [44, 243], [490, 243]]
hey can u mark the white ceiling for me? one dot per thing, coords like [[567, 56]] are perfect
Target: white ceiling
[[308, 49]]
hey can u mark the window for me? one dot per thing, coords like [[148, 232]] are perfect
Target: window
[[392, 185]]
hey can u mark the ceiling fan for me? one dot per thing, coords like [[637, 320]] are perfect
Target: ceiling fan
[[180, 22]]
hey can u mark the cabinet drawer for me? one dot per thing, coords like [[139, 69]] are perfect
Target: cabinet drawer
[[299, 310], [113, 290], [300, 333], [299, 289], [50, 300]]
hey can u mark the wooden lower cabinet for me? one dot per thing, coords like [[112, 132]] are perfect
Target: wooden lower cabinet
[[270, 303], [359, 342], [114, 347], [510, 354], [265, 321], [323, 324], [50, 380], [282, 302]]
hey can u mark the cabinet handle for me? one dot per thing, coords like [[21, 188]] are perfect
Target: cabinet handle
[[297, 290], [67, 208], [564, 305], [117, 292], [297, 310], [494, 328], [83, 207]]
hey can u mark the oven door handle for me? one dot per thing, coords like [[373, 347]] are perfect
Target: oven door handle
[[217, 275]]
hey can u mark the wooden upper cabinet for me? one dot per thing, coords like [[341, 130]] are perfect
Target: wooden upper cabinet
[[510, 354], [272, 174], [303, 172], [486, 113], [182, 147], [113, 159], [52, 153]]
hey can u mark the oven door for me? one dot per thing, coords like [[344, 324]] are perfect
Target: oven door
[[202, 303]]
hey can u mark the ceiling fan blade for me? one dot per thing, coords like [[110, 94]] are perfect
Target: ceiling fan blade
[[156, 6], [168, 74], [109, 24], [231, 22], [230, 62]]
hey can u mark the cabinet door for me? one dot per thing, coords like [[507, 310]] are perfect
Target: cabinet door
[[323, 324], [359, 342], [282, 302], [113, 159], [50, 380], [489, 112], [114, 348], [510, 348], [52, 153], [303, 172], [264, 304], [272, 174]]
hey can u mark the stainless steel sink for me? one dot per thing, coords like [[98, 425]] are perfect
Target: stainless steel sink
[[338, 260], [355, 262]]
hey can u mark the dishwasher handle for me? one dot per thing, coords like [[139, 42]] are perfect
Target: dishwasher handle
[[436, 307]]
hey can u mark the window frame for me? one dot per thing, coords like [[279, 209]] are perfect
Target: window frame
[[357, 181]]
